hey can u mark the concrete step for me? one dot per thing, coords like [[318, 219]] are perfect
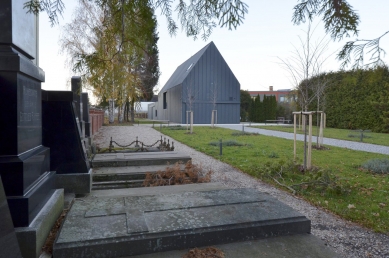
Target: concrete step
[[138, 159], [102, 174], [156, 190], [117, 184]]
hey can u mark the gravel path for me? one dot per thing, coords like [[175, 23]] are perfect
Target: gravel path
[[346, 238]]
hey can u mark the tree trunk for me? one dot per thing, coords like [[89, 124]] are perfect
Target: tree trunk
[[132, 111], [111, 111], [127, 110], [121, 113]]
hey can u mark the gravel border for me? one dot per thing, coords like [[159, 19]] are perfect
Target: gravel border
[[346, 238]]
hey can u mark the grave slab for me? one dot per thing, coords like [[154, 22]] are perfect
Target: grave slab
[[134, 225]]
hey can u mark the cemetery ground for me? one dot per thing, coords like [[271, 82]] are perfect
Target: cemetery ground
[[347, 238], [337, 183], [341, 134]]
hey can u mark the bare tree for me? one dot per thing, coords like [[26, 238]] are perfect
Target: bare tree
[[307, 62], [190, 100]]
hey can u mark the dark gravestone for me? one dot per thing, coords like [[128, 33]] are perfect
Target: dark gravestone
[[61, 132], [9, 246], [77, 90], [85, 113], [24, 162]]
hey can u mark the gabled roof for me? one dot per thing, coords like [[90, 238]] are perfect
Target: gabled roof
[[182, 71]]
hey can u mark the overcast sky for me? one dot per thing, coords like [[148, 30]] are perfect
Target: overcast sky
[[252, 51]]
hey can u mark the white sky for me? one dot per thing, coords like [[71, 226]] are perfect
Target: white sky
[[251, 51]]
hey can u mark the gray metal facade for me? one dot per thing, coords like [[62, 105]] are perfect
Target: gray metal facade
[[201, 81]]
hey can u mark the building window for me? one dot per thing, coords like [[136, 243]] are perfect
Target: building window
[[164, 101], [156, 114]]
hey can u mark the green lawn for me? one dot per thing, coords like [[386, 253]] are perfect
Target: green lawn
[[342, 134], [337, 183]]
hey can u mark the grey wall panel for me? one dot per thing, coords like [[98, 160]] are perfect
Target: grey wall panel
[[174, 104]]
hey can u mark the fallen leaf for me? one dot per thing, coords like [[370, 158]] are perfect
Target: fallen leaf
[[351, 206]]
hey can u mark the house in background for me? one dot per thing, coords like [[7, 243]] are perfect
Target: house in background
[[281, 95], [201, 84]]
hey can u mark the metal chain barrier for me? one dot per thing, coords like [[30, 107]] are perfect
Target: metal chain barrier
[[163, 145]]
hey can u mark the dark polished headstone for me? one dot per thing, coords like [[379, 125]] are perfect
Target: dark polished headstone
[[85, 113], [77, 90], [9, 246], [20, 33], [24, 162], [61, 132]]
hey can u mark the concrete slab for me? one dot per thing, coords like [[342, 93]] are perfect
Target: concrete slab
[[158, 190], [117, 184], [133, 225], [296, 246], [138, 159], [125, 177], [132, 169]]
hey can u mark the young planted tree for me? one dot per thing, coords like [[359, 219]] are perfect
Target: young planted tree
[[306, 62], [190, 99], [213, 97]]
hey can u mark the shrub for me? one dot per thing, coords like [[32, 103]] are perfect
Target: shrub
[[378, 166]]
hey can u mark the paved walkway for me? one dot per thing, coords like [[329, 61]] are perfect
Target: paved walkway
[[326, 141]]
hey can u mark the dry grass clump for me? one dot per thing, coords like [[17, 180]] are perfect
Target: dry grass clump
[[204, 253], [175, 176]]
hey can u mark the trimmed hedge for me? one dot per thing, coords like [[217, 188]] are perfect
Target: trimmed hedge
[[358, 99]]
